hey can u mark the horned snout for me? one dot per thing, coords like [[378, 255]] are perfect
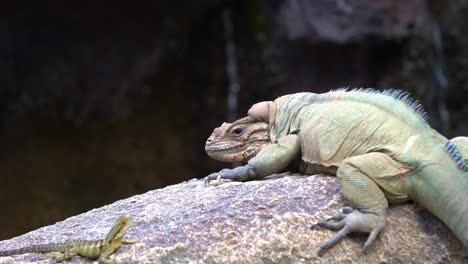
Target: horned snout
[[209, 143]]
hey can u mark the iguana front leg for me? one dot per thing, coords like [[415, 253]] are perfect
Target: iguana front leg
[[271, 159], [362, 180]]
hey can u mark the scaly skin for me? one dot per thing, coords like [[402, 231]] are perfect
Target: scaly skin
[[377, 143], [94, 249], [238, 147]]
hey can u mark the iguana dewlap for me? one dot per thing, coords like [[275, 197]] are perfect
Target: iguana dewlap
[[378, 143]]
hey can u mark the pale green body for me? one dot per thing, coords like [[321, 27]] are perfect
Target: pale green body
[[344, 126], [381, 149]]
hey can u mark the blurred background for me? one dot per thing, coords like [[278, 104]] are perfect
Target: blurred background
[[102, 101]]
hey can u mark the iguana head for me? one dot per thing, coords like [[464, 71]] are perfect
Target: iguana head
[[238, 141], [243, 139]]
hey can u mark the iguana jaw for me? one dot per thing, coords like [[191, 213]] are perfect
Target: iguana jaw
[[225, 153], [226, 145], [238, 153], [223, 148]]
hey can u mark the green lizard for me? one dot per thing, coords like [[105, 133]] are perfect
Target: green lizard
[[94, 249], [378, 143]]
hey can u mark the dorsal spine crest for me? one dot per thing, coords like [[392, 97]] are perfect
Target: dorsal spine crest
[[452, 149], [399, 95], [404, 97]]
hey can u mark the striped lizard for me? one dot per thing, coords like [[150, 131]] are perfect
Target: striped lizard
[[94, 249]]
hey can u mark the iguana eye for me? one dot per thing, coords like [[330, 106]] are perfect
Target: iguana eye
[[238, 131]]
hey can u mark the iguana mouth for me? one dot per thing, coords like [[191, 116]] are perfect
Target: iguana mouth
[[222, 148]]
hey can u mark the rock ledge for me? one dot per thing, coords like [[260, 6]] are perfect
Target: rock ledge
[[254, 222]]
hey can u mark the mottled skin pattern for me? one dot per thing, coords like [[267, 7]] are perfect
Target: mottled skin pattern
[[94, 249], [377, 143]]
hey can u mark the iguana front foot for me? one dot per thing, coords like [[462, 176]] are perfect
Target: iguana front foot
[[242, 173], [349, 221]]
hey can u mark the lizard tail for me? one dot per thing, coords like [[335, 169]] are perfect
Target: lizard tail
[[34, 249]]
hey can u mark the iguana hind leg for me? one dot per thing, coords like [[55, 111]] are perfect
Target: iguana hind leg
[[365, 181]]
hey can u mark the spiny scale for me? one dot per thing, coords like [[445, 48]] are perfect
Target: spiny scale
[[397, 94], [454, 153]]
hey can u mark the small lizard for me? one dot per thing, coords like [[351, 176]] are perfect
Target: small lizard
[[94, 249]]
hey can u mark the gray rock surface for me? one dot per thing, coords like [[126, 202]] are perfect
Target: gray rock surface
[[254, 222], [342, 21]]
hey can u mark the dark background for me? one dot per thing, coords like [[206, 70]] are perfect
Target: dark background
[[100, 101]]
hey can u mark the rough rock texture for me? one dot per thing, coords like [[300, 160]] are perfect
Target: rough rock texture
[[342, 20], [85, 86], [255, 222]]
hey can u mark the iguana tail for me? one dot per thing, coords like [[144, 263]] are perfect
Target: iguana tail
[[442, 188]]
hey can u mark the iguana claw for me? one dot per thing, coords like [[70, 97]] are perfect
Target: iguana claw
[[337, 216], [242, 173], [349, 221], [315, 223], [211, 177]]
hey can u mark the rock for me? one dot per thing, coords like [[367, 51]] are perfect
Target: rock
[[344, 21], [264, 221]]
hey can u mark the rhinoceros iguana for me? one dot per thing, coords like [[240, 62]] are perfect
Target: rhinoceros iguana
[[378, 143]]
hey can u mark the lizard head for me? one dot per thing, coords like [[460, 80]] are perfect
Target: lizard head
[[117, 232], [238, 141]]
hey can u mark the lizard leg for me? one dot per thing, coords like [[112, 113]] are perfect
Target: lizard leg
[[362, 179], [57, 256], [130, 241], [69, 254], [271, 159], [104, 258], [105, 261], [107, 250], [62, 256]]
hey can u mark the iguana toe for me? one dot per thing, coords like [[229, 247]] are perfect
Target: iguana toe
[[337, 217], [349, 222], [211, 177], [242, 173]]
